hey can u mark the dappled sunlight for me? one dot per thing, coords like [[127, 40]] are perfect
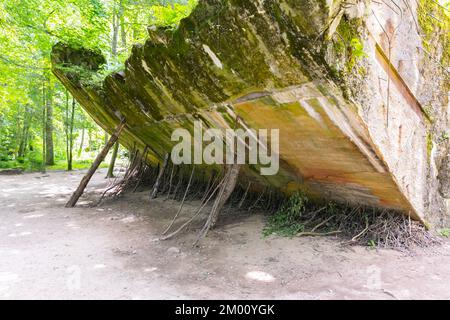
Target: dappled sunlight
[[33, 216], [73, 225], [22, 234], [36, 204], [129, 219], [13, 252], [11, 190], [260, 276], [84, 203], [55, 190]]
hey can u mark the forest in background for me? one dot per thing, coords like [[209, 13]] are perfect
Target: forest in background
[[41, 125]]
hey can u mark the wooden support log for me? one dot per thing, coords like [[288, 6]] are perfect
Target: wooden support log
[[226, 189], [170, 181], [199, 211], [84, 182], [241, 203], [158, 179], [142, 170], [112, 164]]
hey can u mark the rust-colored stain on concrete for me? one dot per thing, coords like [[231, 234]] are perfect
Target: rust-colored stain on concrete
[[399, 83], [328, 158]]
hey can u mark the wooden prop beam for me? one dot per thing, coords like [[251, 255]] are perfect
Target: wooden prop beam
[[84, 182]]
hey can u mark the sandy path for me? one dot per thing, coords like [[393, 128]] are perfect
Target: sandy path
[[47, 251]]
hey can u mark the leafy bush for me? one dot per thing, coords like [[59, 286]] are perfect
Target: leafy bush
[[445, 232], [170, 15], [286, 221]]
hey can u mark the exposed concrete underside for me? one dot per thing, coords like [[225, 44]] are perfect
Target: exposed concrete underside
[[263, 61]]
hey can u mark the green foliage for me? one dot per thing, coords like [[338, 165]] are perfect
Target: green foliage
[[445, 232], [443, 137], [285, 221], [32, 162], [77, 165], [171, 15], [356, 53], [372, 244], [28, 31], [347, 44], [434, 20], [358, 49]]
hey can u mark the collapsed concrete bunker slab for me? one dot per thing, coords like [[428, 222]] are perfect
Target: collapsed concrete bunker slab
[[354, 126]]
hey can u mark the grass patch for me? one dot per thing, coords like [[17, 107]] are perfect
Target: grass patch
[[445, 232], [286, 221], [59, 165]]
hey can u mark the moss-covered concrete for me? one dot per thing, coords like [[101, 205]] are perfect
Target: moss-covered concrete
[[261, 61]]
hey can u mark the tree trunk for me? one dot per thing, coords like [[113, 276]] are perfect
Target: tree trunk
[[115, 27], [49, 153], [25, 133], [123, 31], [227, 188], [70, 136], [105, 138], [232, 174], [84, 182], [44, 109], [90, 139], [158, 179], [113, 161], [66, 129], [80, 150]]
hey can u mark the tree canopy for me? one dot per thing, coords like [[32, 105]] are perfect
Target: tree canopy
[[35, 110]]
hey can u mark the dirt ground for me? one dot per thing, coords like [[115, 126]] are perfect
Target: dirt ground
[[110, 252]]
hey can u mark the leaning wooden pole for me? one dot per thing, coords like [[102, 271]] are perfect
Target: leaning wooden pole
[[155, 190], [84, 182]]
